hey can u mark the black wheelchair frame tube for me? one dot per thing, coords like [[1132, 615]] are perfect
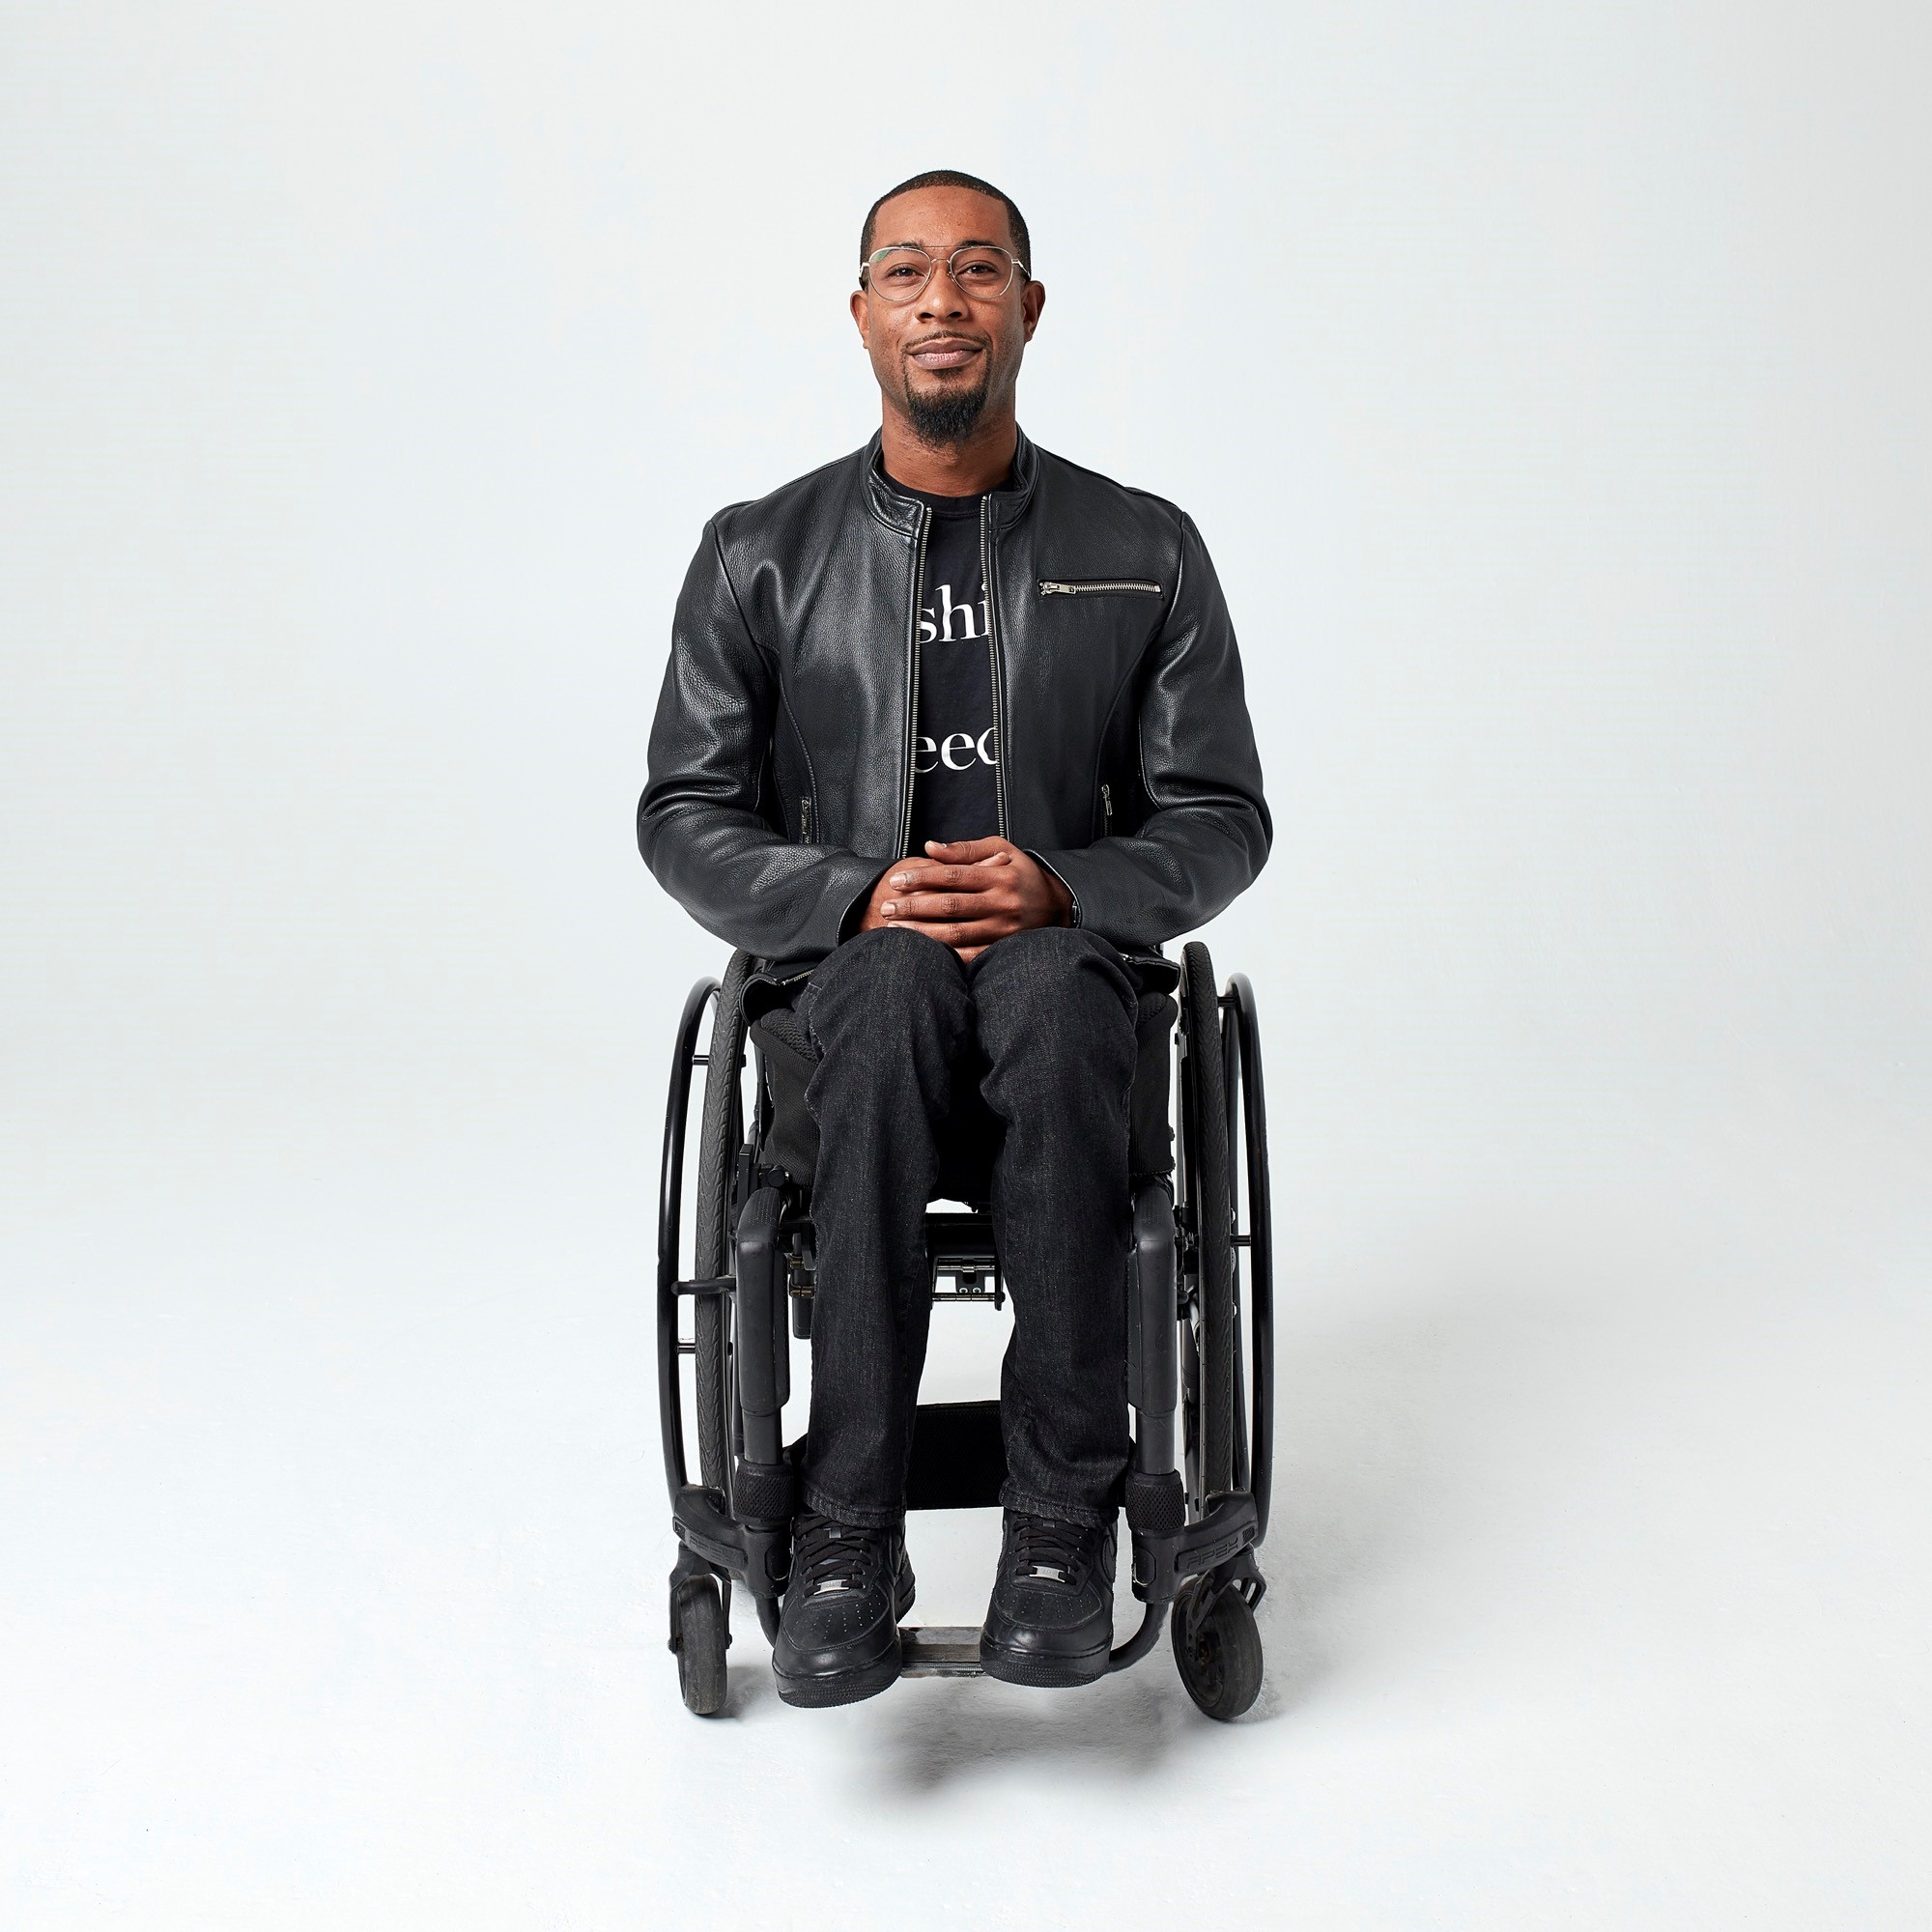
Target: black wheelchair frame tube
[[1154, 1376], [670, 1212], [761, 1482], [763, 1340], [1154, 1348]]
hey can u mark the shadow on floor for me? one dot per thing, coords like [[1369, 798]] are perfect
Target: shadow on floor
[[1387, 1425]]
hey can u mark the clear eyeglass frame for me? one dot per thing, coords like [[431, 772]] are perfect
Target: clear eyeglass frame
[[959, 263]]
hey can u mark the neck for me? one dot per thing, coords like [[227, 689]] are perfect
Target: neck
[[957, 469]]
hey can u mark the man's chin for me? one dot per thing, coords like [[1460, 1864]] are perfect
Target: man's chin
[[945, 414]]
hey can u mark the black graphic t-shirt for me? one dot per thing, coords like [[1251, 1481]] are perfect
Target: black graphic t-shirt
[[955, 744]]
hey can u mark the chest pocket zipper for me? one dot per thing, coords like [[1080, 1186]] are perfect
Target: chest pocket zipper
[[1106, 811], [804, 821], [1098, 586]]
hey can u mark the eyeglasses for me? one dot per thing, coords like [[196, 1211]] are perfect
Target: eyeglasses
[[979, 271]]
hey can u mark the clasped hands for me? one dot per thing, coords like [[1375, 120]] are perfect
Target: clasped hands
[[968, 895]]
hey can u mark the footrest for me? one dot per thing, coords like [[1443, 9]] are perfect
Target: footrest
[[1163, 1558], [940, 1650]]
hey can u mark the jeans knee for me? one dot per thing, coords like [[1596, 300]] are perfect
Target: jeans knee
[[888, 979], [1048, 951], [1054, 941], [1052, 966], [1059, 999], [890, 960]]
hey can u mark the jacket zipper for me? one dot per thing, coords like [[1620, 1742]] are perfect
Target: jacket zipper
[[1106, 811], [993, 652], [1096, 586], [911, 678], [805, 820]]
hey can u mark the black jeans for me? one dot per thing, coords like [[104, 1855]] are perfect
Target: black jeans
[[1031, 1045]]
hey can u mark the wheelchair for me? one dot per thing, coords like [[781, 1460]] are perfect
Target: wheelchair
[[1201, 1351]]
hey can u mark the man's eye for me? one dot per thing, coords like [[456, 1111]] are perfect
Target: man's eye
[[905, 268]]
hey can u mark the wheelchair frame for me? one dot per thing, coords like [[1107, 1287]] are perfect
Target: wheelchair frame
[[1197, 1498]]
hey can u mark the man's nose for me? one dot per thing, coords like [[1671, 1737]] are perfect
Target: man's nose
[[940, 300]]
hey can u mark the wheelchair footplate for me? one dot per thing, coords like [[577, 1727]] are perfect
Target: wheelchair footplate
[[940, 1650]]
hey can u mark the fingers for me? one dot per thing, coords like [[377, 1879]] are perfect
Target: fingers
[[935, 878], [969, 851], [950, 906], [963, 895]]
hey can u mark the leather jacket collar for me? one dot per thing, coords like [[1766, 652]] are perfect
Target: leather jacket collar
[[900, 512]]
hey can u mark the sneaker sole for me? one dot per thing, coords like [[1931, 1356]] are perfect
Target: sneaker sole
[[848, 1687], [1042, 1673]]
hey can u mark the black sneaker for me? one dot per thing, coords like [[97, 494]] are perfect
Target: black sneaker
[[839, 1633], [1051, 1620]]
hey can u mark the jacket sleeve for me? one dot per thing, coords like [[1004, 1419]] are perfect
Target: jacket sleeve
[[699, 826], [1206, 834]]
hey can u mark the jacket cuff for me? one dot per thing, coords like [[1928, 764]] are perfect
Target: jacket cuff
[[1109, 895], [848, 919], [1046, 864]]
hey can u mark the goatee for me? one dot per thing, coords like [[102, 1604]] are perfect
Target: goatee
[[946, 418]]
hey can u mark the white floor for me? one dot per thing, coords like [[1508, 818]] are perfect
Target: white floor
[[1550, 384], [335, 1547]]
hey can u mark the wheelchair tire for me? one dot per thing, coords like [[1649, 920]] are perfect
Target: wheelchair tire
[[721, 1129], [1208, 1213], [1241, 1035], [1218, 1646], [697, 1616]]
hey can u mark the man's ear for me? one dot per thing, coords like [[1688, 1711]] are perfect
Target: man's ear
[[1033, 298], [863, 316]]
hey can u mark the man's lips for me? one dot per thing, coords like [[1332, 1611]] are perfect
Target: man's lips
[[946, 351]]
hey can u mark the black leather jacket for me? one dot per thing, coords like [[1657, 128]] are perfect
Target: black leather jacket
[[781, 776]]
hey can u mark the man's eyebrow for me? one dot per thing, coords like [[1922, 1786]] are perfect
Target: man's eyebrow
[[926, 247]]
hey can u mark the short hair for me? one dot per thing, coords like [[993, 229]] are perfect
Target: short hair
[[953, 178]]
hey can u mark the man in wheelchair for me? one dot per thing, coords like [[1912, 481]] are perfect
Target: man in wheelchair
[[951, 738]]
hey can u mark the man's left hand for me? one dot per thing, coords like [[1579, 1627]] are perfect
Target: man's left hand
[[971, 893]]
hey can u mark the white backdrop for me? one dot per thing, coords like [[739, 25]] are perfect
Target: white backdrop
[[1549, 384]]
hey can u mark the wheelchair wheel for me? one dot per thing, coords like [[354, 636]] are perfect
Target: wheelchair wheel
[[1217, 1647], [1213, 1342], [1254, 1238], [699, 1639], [719, 1132]]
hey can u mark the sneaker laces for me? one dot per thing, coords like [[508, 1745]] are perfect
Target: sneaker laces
[[831, 1555], [1048, 1550]]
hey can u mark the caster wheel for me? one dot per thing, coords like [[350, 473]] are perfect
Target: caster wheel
[[697, 1618], [1218, 1646]]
